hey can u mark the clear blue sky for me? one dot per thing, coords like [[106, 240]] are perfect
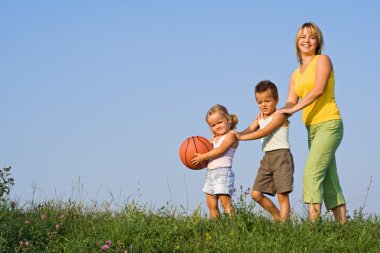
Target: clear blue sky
[[97, 96]]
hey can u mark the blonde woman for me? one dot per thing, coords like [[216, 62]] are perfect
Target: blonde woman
[[311, 89]]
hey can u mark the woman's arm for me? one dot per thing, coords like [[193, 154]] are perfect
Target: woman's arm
[[292, 99], [323, 71]]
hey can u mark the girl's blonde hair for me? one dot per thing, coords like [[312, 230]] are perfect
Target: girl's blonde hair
[[314, 30], [232, 118]]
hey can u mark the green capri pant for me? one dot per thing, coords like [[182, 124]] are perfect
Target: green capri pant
[[320, 179]]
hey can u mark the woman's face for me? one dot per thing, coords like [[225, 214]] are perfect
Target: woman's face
[[308, 42]]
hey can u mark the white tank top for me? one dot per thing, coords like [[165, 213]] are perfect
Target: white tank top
[[278, 139], [224, 160]]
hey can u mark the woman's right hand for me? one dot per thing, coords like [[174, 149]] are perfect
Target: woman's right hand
[[287, 111]]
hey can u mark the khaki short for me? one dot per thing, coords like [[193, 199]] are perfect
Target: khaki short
[[275, 174]]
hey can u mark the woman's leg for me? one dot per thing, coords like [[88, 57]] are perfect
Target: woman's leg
[[320, 174], [314, 211], [340, 213]]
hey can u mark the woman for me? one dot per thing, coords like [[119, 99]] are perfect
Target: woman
[[311, 89]]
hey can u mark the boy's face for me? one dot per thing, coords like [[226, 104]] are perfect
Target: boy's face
[[267, 104]]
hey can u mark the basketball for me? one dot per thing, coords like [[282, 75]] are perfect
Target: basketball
[[192, 145]]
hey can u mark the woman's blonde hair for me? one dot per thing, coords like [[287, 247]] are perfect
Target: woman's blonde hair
[[314, 30], [232, 118]]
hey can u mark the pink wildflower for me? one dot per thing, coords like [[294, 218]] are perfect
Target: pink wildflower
[[108, 242], [105, 247], [24, 243]]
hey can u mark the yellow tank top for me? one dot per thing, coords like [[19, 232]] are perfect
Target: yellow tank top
[[325, 107]]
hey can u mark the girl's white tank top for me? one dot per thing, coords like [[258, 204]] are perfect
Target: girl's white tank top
[[224, 160]]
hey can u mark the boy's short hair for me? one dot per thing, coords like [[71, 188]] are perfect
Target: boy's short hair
[[265, 85]]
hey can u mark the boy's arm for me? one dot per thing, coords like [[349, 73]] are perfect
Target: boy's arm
[[277, 121], [251, 128]]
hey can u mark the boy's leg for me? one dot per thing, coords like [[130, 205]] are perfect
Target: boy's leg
[[283, 179], [283, 199], [225, 200], [212, 204], [266, 203]]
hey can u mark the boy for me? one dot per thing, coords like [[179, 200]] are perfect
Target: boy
[[275, 174]]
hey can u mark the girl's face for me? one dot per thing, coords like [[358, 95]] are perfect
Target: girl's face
[[267, 104], [218, 123], [308, 42]]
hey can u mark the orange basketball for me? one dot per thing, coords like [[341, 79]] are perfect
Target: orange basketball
[[192, 145]]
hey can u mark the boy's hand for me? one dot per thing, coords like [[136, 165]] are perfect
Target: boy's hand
[[237, 134], [198, 158], [259, 116]]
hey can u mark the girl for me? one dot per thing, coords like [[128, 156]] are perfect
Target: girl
[[220, 177]]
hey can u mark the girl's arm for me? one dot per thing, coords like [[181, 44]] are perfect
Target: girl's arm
[[323, 71], [277, 121], [229, 141]]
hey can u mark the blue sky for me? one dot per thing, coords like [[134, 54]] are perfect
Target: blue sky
[[97, 96]]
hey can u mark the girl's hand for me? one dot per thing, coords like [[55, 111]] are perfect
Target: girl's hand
[[198, 158]]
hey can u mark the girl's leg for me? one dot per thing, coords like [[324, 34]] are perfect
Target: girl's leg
[[283, 199], [267, 204], [212, 204], [225, 199]]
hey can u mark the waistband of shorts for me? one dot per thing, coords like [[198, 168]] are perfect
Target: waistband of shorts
[[281, 150], [221, 168], [325, 122]]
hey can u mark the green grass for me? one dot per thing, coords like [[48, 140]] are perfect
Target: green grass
[[57, 226], [74, 226]]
